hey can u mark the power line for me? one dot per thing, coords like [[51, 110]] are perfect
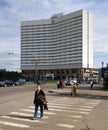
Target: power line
[[9, 26]]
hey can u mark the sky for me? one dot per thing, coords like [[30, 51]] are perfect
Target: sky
[[12, 12]]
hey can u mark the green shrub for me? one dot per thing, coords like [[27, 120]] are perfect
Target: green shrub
[[106, 80]]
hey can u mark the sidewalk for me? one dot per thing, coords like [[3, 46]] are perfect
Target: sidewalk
[[83, 90]]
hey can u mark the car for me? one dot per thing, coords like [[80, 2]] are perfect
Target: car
[[21, 81], [9, 83], [2, 84], [68, 82], [16, 83]]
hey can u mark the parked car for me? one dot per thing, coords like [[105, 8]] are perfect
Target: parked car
[[21, 81], [9, 83], [2, 84], [70, 81]]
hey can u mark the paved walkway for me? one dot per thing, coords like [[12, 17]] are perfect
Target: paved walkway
[[83, 90]]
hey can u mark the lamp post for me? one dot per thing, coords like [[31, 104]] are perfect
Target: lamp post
[[36, 59], [35, 66], [36, 71]]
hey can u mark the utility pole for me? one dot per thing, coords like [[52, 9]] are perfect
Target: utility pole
[[35, 66], [36, 71]]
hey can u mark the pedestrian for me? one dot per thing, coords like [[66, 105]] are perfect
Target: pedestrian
[[58, 84], [39, 101], [91, 84], [74, 88], [62, 83]]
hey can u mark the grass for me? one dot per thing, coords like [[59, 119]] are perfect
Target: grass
[[51, 81], [47, 81], [105, 89]]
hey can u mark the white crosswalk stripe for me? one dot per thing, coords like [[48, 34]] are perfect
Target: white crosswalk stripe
[[14, 124], [25, 114], [78, 117], [21, 119], [74, 109], [57, 109], [69, 108], [28, 110], [66, 125]]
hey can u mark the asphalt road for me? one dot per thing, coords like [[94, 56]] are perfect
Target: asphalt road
[[87, 111]]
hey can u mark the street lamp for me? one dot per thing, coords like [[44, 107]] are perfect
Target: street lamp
[[36, 67], [36, 59], [36, 71]]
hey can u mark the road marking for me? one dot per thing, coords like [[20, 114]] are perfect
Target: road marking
[[70, 111], [70, 108], [84, 113], [76, 120], [95, 101], [23, 114], [54, 108], [81, 109], [78, 117], [22, 119], [59, 107], [66, 125], [62, 103], [31, 107], [14, 124], [28, 110], [93, 105], [85, 106], [57, 104]]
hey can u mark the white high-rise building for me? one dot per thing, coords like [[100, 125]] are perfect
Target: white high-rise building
[[61, 45]]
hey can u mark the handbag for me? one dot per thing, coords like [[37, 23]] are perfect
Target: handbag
[[43, 100]]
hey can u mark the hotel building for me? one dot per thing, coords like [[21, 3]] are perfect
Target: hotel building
[[61, 45]]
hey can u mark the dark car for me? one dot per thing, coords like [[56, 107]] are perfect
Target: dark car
[[9, 83], [21, 81], [2, 84]]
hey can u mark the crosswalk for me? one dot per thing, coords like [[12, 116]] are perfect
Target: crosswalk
[[60, 112]]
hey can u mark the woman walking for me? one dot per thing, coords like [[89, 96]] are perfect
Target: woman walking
[[39, 100]]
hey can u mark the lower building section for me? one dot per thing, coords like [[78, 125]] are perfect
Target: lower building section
[[79, 73]]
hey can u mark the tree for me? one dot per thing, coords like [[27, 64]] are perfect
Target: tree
[[106, 79], [9, 75]]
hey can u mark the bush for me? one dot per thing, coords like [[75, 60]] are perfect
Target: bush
[[106, 80]]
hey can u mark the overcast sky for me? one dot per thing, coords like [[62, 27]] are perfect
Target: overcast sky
[[12, 12]]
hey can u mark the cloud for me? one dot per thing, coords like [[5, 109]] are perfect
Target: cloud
[[14, 11], [101, 43], [99, 58]]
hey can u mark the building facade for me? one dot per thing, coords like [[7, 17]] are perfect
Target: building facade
[[61, 45]]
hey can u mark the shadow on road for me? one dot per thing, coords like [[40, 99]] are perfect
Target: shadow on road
[[83, 91]]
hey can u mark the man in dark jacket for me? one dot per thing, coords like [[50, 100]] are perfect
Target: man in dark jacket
[[38, 101]]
